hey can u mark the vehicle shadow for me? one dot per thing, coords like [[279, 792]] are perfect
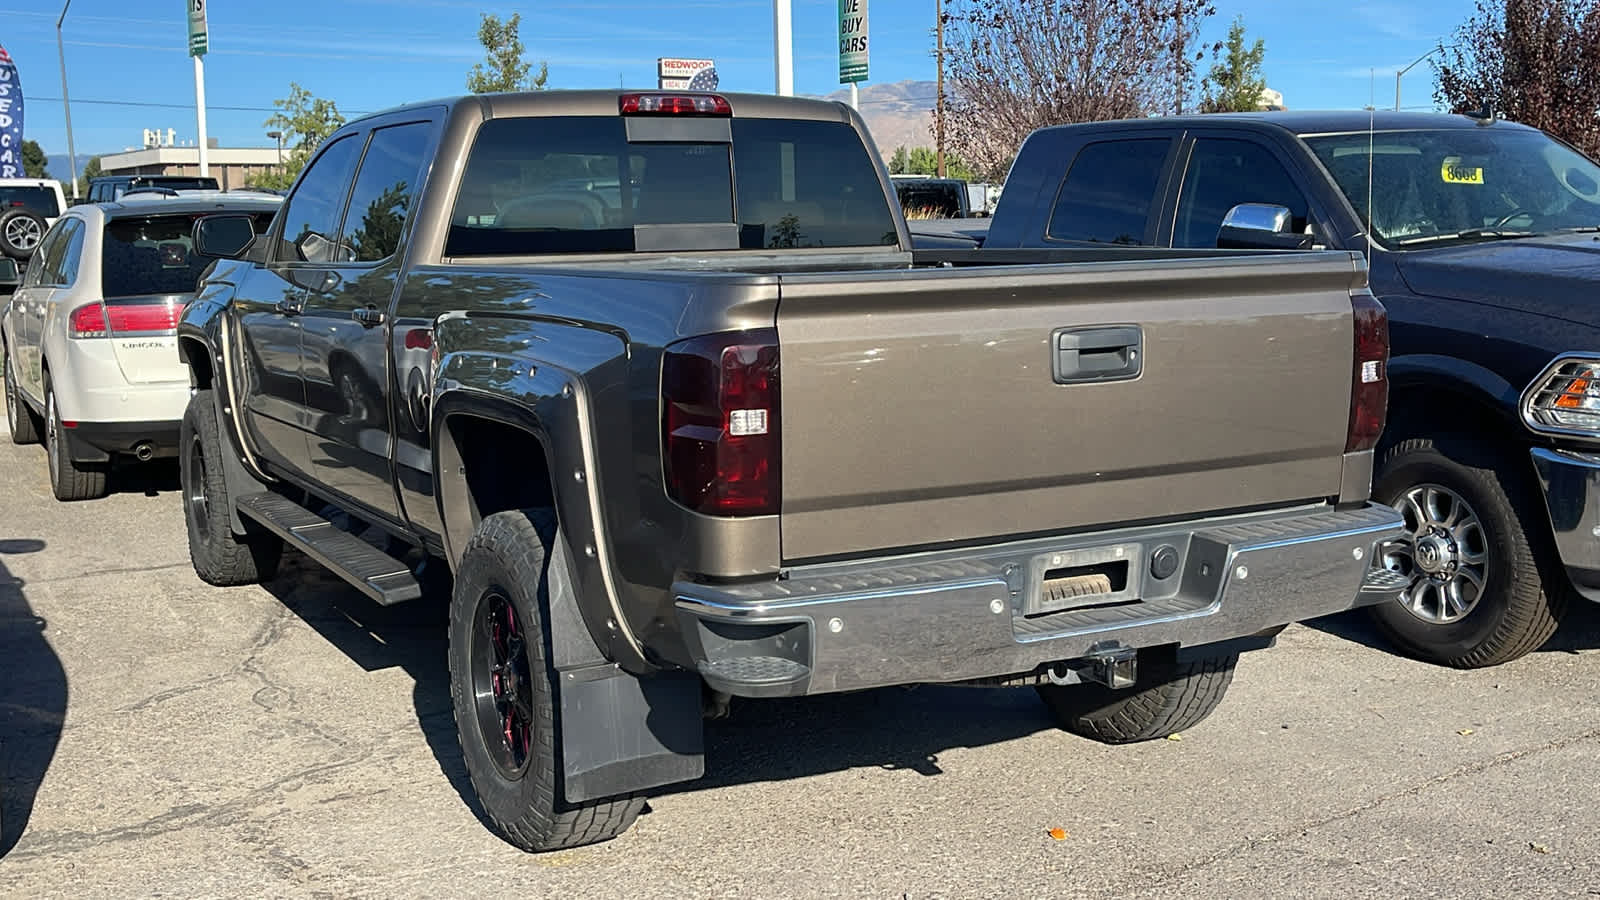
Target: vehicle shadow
[[761, 741], [151, 479], [33, 700], [1579, 631]]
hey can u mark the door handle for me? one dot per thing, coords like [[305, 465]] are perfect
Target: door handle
[[287, 308], [1097, 353], [368, 316]]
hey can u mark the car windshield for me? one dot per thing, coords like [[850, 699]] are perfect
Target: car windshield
[[1456, 184]]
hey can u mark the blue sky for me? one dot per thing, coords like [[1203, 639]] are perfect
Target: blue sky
[[369, 54]]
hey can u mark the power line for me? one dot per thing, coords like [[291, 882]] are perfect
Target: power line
[[209, 106]]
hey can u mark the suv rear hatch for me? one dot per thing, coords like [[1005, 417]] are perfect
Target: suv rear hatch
[[148, 271], [938, 406]]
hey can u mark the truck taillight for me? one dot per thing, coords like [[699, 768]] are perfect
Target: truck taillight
[[659, 104], [89, 321], [1369, 387], [720, 421]]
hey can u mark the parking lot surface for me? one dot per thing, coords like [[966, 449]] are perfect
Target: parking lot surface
[[163, 737]]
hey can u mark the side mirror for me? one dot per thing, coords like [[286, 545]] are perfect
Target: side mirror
[[10, 277], [223, 236], [1260, 226]]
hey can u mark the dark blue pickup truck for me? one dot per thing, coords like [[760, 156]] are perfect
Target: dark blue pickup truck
[[1484, 245]]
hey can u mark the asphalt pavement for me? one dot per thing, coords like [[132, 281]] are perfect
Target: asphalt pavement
[[160, 737]]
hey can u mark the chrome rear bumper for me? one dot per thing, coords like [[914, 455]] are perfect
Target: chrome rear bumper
[[977, 613]]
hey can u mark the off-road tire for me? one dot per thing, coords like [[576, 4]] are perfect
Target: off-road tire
[[1169, 697], [25, 426], [1525, 593], [508, 555], [69, 479], [220, 557]]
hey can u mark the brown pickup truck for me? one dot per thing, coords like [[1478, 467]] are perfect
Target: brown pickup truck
[[660, 379]]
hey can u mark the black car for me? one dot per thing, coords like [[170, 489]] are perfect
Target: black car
[[1483, 242], [107, 188]]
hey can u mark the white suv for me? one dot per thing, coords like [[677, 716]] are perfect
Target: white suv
[[28, 207], [91, 356]]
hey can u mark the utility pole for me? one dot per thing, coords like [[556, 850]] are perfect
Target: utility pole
[[66, 105], [938, 112]]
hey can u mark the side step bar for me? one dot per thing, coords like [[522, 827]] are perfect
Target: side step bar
[[373, 572]]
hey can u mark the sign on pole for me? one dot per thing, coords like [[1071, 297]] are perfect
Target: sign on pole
[[198, 36], [10, 118], [852, 41], [675, 74]]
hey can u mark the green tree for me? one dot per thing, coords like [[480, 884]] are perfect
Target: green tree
[[899, 161], [504, 68], [305, 121], [1235, 82], [923, 161], [33, 160], [91, 169]]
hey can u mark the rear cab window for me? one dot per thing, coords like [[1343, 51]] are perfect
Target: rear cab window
[[1110, 192], [575, 184]]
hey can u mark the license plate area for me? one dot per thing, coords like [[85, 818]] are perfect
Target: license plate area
[[1087, 578]]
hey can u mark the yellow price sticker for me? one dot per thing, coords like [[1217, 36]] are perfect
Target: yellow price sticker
[[1453, 172]]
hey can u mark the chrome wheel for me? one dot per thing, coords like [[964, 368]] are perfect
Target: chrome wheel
[[24, 233], [1446, 558], [51, 435]]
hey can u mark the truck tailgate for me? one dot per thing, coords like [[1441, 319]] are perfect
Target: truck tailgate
[[922, 407]]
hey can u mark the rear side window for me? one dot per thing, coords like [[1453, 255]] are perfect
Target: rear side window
[[384, 188], [1109, 192], [37, 199], [576, 185], [154, 255]]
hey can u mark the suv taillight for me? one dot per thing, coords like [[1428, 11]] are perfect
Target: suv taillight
[[1369, 386], [89, 321], [719, 423]]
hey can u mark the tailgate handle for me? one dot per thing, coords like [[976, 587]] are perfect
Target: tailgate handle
[[1097, 353]]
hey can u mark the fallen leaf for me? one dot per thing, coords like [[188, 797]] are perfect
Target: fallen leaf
[[1174, 737], [1464, 732], [1058, 834], [1537, 847]]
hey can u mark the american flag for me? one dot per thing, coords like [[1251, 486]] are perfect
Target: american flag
[[704, 80], [6, 57]]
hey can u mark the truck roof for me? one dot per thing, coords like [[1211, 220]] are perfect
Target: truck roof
[[604, 103], [1304, 122]]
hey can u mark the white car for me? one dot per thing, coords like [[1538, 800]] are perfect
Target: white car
[[91, 356], [28, 207]]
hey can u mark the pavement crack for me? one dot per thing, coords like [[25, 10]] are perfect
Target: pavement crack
[[1495, 762], [98, 573]]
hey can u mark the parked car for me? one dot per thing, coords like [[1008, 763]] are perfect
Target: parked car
[[725, 437], [91, 362], [1484, 249], [28, 207], [107, 188], [926, 197]]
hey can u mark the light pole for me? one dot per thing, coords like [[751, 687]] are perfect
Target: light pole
[[783, 47], [1402, 72], [66, 105], [278, 136]]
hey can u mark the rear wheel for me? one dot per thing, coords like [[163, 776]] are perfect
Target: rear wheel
[[503, 690], [24, 424], [69, 479], [1478, 595], [220, 557], [1169, 697]]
